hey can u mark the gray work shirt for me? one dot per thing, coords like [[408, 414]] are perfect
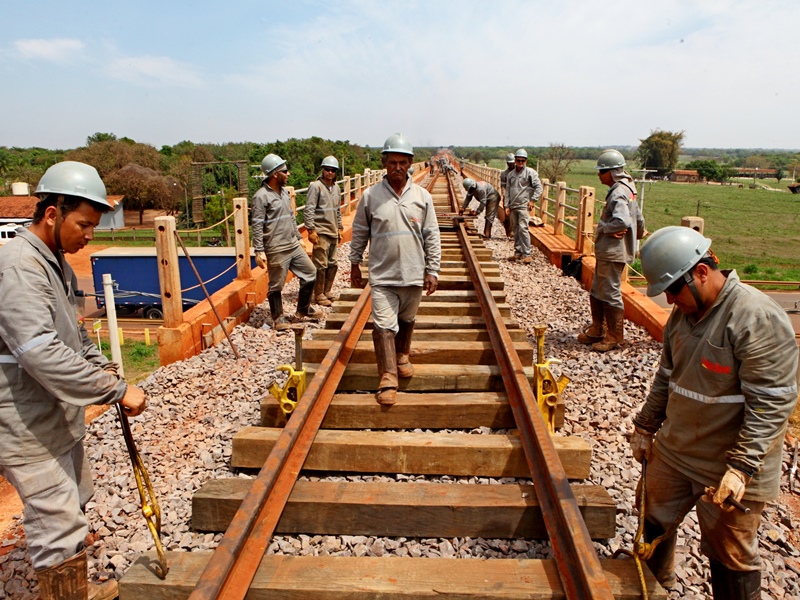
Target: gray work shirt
[[504, 181], [322, 212], [49, 367], [725, 389], [274, 222], [522, 188], [620, 213], [402, 232], [482, 192]]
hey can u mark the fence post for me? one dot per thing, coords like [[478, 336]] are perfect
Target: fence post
[[561, 200], [169, 276], [346, 196], [583, 237], [293, 196], [359, 188], [242, 238], [544, 200]]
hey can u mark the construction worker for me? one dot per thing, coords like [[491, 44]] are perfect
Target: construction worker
[[323, 220], [276, 241], [523, 190], [397, 219], [503, 213], [487, 198], [50, 370], [621, 224], [715, 417]]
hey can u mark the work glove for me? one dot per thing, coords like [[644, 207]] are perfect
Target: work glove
[[733, 484], [341, 235], [261, 260], [641, 444], [313, 237]]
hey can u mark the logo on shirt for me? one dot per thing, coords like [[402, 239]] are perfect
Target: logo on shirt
[[715, 367]]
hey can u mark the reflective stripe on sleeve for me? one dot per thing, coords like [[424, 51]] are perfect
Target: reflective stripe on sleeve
[[771, 391], [37, 341], [7, 359], [733, 399]]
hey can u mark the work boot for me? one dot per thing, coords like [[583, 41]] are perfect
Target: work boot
[[330, 279], [319, 285], [279, 320], [515, 258], [597, 330], [386, 359], [487, 231], [662, 562], [527, 260], [734, 585], [402, 344], [304, 308], [68, 580], [615, 329]]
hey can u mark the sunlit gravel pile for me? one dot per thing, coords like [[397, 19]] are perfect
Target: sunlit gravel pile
[[197, 405]]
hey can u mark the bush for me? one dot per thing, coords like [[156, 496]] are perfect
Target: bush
[[750, 269]]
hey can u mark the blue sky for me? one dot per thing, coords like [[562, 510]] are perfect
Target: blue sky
[[578, 72]]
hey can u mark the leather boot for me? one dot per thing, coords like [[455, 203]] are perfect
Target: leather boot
[[304, 308], [330, 279], [68, 580], [402, 344], [615, 329], [597, 330], [319, 286], [662, 563], [734, 585], [487, 231], [386, 359], [279, 320]]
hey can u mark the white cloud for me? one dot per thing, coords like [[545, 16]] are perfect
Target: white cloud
[[57, 50], [157, 71]]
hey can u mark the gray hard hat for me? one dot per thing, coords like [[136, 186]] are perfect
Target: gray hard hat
[[669, 254], [271, 163], [398, 143], [610, 159], [509, 158], [468, 183], [74, 179], [330, 161], [521, 153]]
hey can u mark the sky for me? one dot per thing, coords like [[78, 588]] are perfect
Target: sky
[[464, 73]]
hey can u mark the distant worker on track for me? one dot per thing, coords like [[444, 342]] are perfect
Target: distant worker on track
[[276, 241], [50, 370], [716, 413], [621, 224], [323, 220], [487, 198], [523, 191], [398, 220]]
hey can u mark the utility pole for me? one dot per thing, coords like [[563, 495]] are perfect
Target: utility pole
[[643, 180]]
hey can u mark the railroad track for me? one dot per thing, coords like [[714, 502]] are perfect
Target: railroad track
[[472, 370]]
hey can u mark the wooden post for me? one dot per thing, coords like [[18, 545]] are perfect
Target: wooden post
[[169, 277], [584, 240], [544, 200], [359, 188], [242, 238], [199, 236], [293, 196], [561, 200], [346, 196]]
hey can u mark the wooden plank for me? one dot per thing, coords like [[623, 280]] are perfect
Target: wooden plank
[[459, 454], [405, 509], [336, 320], [499, 296], [373, 578], [427, 378], [425, 352], [455, 309], [430, 335], [426, 411]]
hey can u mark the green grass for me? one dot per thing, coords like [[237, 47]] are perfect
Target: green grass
[[138, 359], [753, 229]]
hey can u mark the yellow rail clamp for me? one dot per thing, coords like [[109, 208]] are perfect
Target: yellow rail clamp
[[546, 387], [295, 385]]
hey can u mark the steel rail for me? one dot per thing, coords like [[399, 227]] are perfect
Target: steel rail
[[582, 576], [234, 563]]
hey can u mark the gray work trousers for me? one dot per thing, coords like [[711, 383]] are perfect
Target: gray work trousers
[[53, 494], [280, 263], [520, 217], [607, 283], [390, 303], [324, 253]]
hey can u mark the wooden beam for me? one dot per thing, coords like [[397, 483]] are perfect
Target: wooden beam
[[460, 309], [425, 352], [429, 335], [372, 578], [456, 454], [410, 509], [336, 320]]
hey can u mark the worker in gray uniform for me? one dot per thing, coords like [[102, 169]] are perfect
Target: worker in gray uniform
[[523, 189], [276, 241], [716, 415], [487, 198], [503, 213], [621, 224], [50, 370], [397, 219], [323, 220]]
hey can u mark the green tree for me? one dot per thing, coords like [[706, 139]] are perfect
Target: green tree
[[555, 162], [779, 174], [100, 137], [144, 188], [660, 150]]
